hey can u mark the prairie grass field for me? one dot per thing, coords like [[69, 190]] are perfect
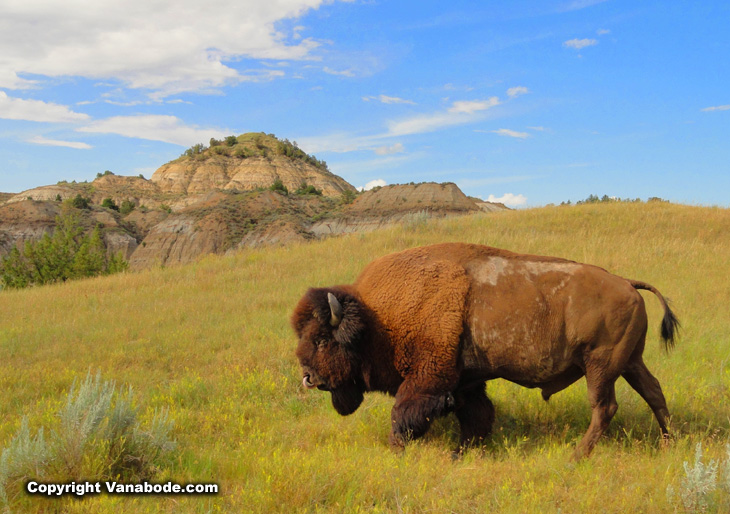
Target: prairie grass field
[[211, 342]]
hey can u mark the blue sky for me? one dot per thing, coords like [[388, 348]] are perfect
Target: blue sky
[[527, 102]]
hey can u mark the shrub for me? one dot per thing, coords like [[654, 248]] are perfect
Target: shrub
[[79, 202], [348, 196], [194, 150], [108, 203], [126, 207], [107, 172], [279, 187], [305, 189], [98, 438], [698, 484], [231, 140]]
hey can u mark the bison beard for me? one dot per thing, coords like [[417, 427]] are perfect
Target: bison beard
[[431, 325], [347, 398]]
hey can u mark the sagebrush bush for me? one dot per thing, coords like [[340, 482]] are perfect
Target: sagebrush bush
[[697, 491], [99, 437], [23, 458]]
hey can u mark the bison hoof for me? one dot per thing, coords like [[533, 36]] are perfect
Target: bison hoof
[[397, 443], [449, 403]]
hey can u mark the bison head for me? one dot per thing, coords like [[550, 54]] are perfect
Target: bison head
[[330, 326]]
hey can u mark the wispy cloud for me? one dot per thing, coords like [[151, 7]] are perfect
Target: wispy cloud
[[470, 183], [511, 133], [576, 5], [36, 110], [579, 44], [538, 129], [717, 108], [472, 106], [388, 99], [340, 73], [508, 199], [603, 32], [389, 150], [459, 113], [453, 87], [169, 129], [39, 140], [517, 91]]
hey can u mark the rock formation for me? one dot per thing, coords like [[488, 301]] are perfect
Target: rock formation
[[220, 199]]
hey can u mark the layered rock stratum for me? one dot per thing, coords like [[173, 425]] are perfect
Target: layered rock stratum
[[251, 190]]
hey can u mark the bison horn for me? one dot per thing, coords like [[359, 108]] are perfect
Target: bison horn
[[336, 309]]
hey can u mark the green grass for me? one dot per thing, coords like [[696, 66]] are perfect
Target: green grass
[[211, 342]]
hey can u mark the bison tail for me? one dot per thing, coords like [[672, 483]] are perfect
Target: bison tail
[[670, 323]]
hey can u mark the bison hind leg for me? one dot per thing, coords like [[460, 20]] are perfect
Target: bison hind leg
[[475, 413], [640, 378]]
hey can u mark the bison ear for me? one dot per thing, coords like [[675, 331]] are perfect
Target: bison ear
[[335, 310]]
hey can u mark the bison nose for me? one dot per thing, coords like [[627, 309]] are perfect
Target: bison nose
[[307, 382]]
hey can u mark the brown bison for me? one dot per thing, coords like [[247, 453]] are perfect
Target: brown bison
[[430, 325]]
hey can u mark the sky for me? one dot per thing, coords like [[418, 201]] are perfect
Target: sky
[[527, 102]]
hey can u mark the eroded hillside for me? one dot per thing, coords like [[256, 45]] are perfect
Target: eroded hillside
[[249, 190]]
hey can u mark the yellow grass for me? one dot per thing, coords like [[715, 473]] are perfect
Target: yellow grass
[[211, 342]]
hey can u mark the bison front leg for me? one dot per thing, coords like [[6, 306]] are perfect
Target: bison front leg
[[475, 413], [414, 411]]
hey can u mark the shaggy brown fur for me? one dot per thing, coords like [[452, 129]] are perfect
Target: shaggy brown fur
[[430, 325]]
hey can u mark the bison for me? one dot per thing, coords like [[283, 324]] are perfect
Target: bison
[[431, 325]]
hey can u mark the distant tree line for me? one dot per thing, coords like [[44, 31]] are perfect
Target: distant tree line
[[611, 199], [68, 254]]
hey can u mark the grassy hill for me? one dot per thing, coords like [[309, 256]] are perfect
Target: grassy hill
[[211, 342]]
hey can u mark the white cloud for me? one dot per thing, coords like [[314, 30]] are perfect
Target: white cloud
[[459, 113], [36, 110], [10, 80], [509, 199], [717, 108], [517, 91], [343, 73], [373, 183], [603, 32], [580, 43], [388, 99], [169, 129], [472, 106], [511, 133], [40, 140], [389, 150], [538, 129], [145, 45]]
